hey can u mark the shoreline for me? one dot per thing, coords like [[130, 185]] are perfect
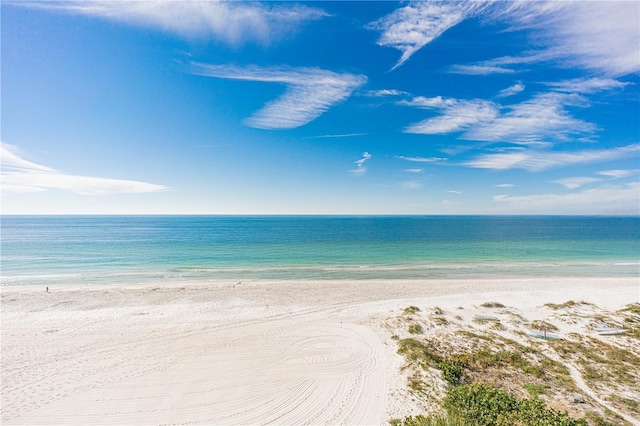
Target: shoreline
[[588, 288], [254, 351], [454, 270]]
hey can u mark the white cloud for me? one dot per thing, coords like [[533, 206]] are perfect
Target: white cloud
[[422, 159], [230, 22], [617, 174], [410, 184], [85, 185], [365, 157], [587, 85], [360, 169], [541, 117], [424, 102], [539, 160], [412, 27], [601, 36], [386, 92], [22, 176], [504, 185], [454, 192], [534, 122], [10, 159], [499, 65], [457, 114], [575, 182], [344, 135], [480, 69], [510, 91], [310, 92], [414, 170], [590, 201], [498, 161]]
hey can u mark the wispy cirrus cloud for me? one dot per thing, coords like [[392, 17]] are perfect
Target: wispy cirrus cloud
[[619, 174], [338, 136], [590, 201], [422, 159], [512, 90], [587, 85], [537, 121], [360, 168], [575, 182], [10, 160], [386, 92], [410, 28], [543, 117], [503, 64], [22, 176], [435, 102], [504, 185], [601, 37], [532, 122], [231, 22], [480, 69], [410, 185], [534, 161], [456, 115], [310, 91]]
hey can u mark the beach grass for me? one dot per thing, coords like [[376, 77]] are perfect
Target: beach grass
[[492, 305], [411, 309], [480, 364]]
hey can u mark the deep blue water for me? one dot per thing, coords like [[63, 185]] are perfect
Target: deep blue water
[[138, 249]]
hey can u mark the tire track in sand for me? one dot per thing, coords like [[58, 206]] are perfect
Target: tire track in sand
[[295, 370]]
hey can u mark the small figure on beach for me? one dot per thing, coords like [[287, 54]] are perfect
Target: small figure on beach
[[47, 289]]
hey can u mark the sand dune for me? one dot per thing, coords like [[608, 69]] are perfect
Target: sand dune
[[230, 353]]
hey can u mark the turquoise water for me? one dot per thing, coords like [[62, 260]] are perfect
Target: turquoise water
[[140, 249]]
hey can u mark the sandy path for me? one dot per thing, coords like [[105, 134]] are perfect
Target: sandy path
[[224, 353], [582, 385]]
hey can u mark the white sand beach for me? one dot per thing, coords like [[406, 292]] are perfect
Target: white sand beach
[[256, 352]]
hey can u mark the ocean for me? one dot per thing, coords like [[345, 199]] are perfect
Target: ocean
[[70, 250]]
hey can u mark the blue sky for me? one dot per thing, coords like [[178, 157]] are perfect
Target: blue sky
[[195, 107]]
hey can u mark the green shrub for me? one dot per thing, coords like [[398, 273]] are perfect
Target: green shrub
[[534, 412], [452, 371], [429, 421], [492, 305], [634, 308], [415, 329], [440, 321], [411, 309], [534, 390], [417, 352], [479, 403], [482, 404], [556, 306]]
